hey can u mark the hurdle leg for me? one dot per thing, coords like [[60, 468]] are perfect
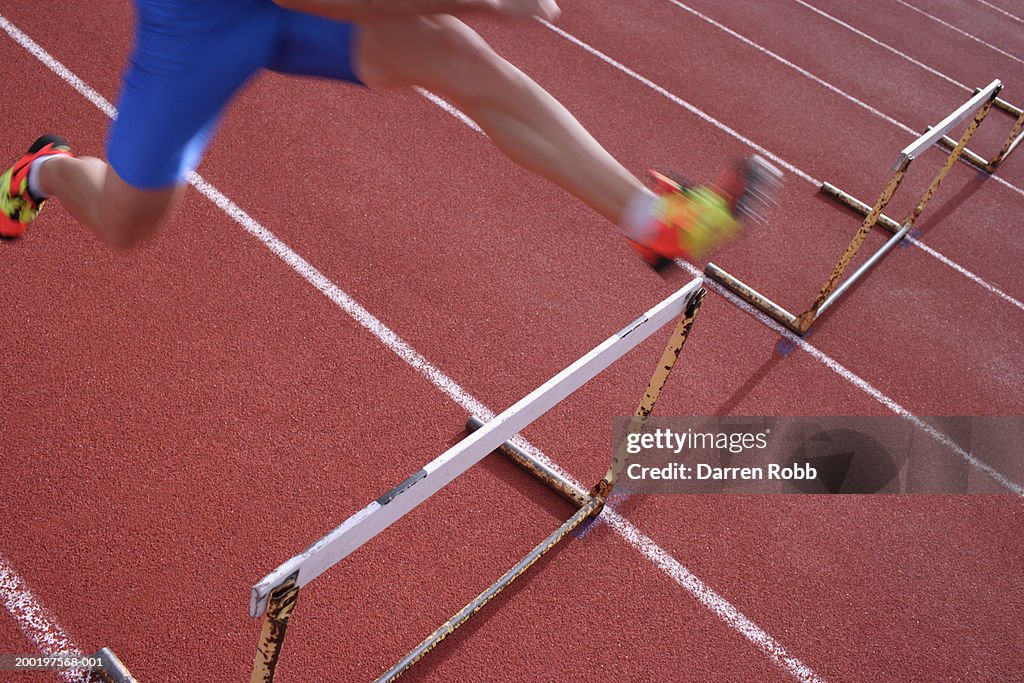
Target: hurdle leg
[[661, 374], [549, 477], [805, 319], [1012, 140], [113, 669], [950, 161], [279, 610], [752, 297]]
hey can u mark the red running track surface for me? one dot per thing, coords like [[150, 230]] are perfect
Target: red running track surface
[[180, 419]]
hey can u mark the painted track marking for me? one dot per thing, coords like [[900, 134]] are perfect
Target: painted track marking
[[962, 32], [1002, 11], [771, 155], [35, 621], [754, 634]]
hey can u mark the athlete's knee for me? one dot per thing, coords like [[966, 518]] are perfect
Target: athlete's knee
[[467, 62], [439, 53], [127, 224]]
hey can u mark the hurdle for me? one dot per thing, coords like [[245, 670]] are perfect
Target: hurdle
[[1012, 140], [979, 106], [112, 669], [275, 596]]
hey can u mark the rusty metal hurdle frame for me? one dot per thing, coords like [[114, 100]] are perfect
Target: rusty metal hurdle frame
[[1012, 140], [276, 595], [113, 669], [979, 105]]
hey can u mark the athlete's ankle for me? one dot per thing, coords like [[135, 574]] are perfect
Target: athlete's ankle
[[41, 182], [637, 221]]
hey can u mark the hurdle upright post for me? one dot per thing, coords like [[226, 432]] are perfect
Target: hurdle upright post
[[954, 154], [602, 490], [279, 610], [806, 319]]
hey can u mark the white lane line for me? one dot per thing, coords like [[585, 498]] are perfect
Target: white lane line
[[799, 69], [448, 107], [966, 273], [1002, 11], [768, 645], [886, 46], [861, 383], [771, 155], [962, 32], [35, 621], [708, 597], [820, 81]]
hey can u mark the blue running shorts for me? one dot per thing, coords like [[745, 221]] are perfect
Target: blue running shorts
[[190, 58]]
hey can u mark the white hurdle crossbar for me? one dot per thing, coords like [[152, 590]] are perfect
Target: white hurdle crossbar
[[279, 588], [977, 107]]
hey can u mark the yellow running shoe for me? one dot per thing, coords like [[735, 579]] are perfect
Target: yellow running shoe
[[18, 207], [694, 221]]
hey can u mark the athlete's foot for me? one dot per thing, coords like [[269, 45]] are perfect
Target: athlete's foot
[[690, 222], [18, 205]]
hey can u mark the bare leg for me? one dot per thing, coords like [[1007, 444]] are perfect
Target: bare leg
[[439, 53], [96, 196], [526, 123]]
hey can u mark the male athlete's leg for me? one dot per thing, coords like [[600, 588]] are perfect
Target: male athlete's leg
[[189, 60], [445, 56], [92, 191], [87, 187]]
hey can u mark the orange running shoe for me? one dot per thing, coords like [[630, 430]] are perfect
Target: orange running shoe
[[18, 207], [693, 221]]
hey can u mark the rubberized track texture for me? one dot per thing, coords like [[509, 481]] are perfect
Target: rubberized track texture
[[179, 418]]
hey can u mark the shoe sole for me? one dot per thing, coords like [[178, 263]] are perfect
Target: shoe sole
[[762, 183]]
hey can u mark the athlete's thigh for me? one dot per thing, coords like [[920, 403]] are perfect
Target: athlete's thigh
[[435, 51]]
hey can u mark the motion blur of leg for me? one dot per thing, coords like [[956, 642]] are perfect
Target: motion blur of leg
[[87, 187], [533, 129], [191, 58], [446, 57]]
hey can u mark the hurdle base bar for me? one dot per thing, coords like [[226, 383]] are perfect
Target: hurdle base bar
[[851, 202], [113, 669], [754, 298], [968, 156], [548, 476], [1000, 103], [475, 605]]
